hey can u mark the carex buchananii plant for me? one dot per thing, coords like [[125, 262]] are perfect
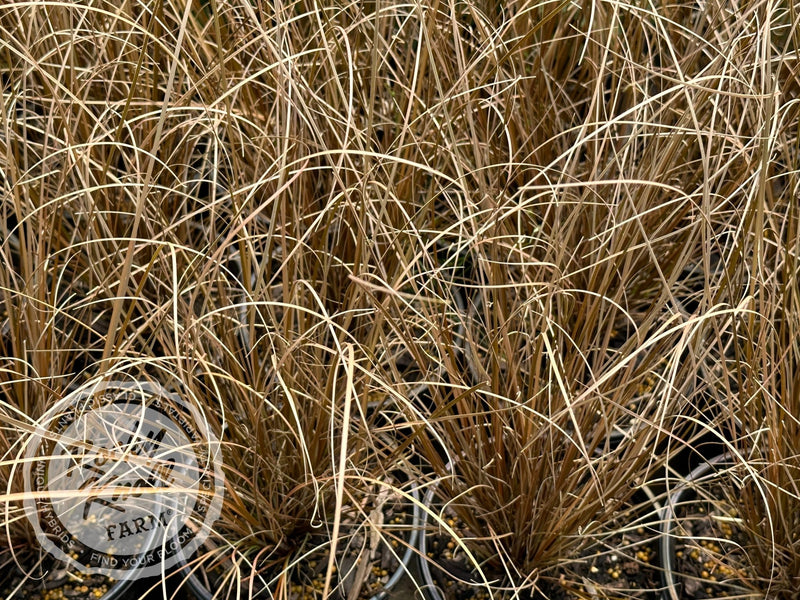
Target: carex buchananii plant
[[229, 207], [272, 197], [760, 404], [543, 442], [300, 320], [93, 224], [753, 422], [754, 381], [594, 229], [56, 310], [307, 430]]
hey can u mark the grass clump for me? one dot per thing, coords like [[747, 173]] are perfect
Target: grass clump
[[524, 254], [304, 472]]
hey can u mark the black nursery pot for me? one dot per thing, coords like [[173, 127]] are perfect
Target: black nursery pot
[[429, 585], [451, 573], [201, 592], [680, 584], [637, 538], [58, 582]]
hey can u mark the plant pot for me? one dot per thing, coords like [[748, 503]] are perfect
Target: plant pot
[[452, 571], [699, 537], [625, 560], [428, 583], [54, 581], [196, 582]]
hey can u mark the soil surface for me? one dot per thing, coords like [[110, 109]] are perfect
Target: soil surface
[[708, 560], [623, 566], [53, 581], [366, 559]]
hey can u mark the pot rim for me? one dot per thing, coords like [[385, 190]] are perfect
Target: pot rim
[[192, 581], [667, 518]]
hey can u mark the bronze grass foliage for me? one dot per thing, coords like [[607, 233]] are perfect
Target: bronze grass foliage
[[614, 183]]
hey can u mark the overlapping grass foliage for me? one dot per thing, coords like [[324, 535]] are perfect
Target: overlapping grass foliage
[[531, 250]]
